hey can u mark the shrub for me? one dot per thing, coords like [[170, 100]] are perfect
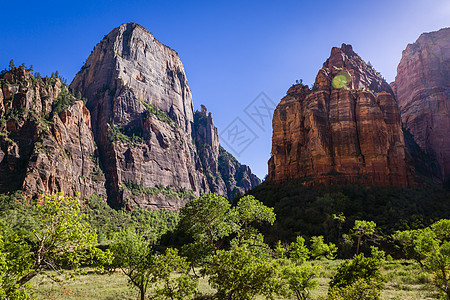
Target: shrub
[[351, 273]]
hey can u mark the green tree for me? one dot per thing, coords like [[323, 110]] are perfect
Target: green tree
[[238, 274], [360, 289], [180, 287], [363, 228], [247, 212], [59, 238], [11, 65], [340, 220], [250, 210], [431, 248], [352, 271], [300, 280], [132, 254], [298, 252], [281, 250], [319, 249], [208, 218]]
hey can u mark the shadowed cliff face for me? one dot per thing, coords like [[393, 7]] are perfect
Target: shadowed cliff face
[[346, 129], [422, 88], [46, 146], [143, 121]]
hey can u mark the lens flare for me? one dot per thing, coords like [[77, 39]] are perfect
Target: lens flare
[[341, 80]]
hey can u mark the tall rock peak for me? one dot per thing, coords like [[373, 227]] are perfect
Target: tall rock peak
[[422, 88], [361, 75], [346, 129], [143, 121]]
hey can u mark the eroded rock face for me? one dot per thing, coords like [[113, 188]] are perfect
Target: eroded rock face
[[422, 88], [143, 119], [346, 129], [43, 151], [224, 174]]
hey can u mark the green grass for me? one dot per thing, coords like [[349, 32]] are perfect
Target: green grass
[[404, 281]]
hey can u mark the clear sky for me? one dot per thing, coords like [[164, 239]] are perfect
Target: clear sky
[[232, 50]]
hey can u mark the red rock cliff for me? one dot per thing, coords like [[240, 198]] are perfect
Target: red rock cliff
[[346, 129], [422, 88]]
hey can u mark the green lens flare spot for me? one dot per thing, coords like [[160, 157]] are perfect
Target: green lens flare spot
[[341, 80]]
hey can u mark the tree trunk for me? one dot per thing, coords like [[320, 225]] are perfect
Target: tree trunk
[[357, 246], [27, 277], [142, 294]]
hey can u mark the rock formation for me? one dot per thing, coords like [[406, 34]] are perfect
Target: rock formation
[[143, 122], [224, 174], [346, 129], [46, 144], [422, 88]]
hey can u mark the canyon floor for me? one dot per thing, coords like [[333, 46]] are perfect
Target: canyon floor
[[404, 281]]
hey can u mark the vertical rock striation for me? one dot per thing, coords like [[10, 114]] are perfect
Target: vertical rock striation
[[46, 142], [225, 175], [143, 121], [346, 129], [422, 88]]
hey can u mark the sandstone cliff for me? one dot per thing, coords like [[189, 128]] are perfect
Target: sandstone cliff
[[46, 144], [153, 152], [346, 129], [225, 175], [422, 88]]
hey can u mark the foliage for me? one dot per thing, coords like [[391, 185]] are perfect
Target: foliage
[[63, 101], [124, 136], [249, 211], [351, 272], [308, 211], [152, 224], [208, 218], [431, 248], [238, 274], [15, 260], [319, 249], [300, 280], [159, 114], [139, 189], [280, 250], [363, 228], [360, 289], [52, 235], [144, 269], [133, 255], [183, 286], [298, 252]]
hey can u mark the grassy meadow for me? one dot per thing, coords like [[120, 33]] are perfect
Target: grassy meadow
[[404, 281]]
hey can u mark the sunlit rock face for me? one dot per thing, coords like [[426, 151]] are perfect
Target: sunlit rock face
[[143, 121], [422, 88], [44, 151], [346, 129]]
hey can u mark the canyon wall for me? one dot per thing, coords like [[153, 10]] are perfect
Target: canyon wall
[[345, 129]]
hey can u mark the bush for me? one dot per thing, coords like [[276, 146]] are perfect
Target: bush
[[351, 272], [360, 289]]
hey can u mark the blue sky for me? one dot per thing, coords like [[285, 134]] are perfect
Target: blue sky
[[232, 51]]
